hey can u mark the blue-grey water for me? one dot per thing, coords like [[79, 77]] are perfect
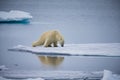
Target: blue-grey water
[[80, 21]]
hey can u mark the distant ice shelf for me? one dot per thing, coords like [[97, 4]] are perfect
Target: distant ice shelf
[[97, 49], [14, 16]]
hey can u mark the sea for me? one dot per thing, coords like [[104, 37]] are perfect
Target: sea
[[79, 21]]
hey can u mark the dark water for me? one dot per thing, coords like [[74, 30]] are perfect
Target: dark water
[[88, 21]]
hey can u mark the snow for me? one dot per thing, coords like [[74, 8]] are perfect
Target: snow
[[14, 15], [98, 49], [109, 76]]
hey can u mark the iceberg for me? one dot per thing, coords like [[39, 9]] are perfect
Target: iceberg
[[98, 49], [14, 16]]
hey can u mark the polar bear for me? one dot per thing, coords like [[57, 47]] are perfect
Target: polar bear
[[50, 38]]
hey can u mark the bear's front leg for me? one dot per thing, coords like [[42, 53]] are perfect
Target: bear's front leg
[[47, 43]]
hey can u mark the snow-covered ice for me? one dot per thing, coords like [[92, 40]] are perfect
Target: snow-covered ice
[[34, 79], [1, 78], [98, 49], [14, 15], [51, 75], [61, 75]]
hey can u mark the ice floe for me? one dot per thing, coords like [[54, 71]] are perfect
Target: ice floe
[[98, 49], [59, 75], [34, 79], [2, 78], [51, 75], [14, 15], [3, 67], [107, 75]]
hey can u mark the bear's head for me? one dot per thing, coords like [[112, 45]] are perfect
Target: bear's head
[[34, 44], [61, 42], [60, 39]]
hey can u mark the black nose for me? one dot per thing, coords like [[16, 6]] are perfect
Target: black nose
[[33, 46], [62, 45]]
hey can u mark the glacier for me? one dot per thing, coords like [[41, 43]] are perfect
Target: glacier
[[14, 16], [96, 49]]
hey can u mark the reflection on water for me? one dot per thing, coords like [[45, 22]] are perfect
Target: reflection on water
[[51, 60]]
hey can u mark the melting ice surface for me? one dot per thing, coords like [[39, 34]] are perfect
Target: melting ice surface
[[14, 15], [98, 49]]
